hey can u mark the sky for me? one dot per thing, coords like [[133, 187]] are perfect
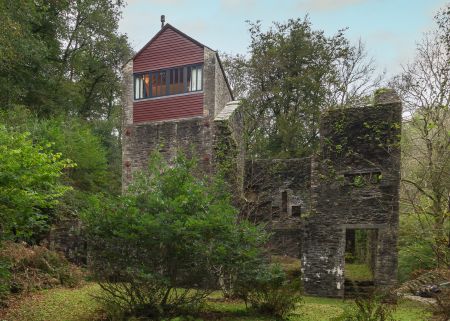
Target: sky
[[390, 29]]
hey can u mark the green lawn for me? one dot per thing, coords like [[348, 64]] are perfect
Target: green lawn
[[358, 272], [79, 305]]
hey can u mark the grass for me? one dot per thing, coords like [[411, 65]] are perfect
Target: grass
[[358, 272], [78, 305], [60, 304]]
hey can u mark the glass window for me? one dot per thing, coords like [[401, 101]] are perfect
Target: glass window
[[168, 82], [138, 87]]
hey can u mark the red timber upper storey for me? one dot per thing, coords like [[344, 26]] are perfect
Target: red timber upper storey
[[169, 48]]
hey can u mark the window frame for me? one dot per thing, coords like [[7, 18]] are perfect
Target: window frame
[[168, 72]]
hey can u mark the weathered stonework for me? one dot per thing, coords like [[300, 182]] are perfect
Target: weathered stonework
[[355, 185], [352, 183]]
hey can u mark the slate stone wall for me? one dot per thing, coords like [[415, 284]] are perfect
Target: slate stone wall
[[277, 192], [355, 185]]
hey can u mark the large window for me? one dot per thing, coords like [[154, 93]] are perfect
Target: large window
[[168, 82]]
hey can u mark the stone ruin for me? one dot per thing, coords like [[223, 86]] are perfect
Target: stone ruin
[[311, 205]]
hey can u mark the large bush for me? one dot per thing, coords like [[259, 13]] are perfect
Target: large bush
[[29, 183], [269, 291], [161, 248], [25, 268]]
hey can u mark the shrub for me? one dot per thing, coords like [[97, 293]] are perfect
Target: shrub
[[161, 248], [29, 183], [270, 292], [27, 268], [371, 308], [442, 307], [5, 279]]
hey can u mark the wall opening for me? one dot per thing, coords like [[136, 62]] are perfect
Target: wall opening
[[284, 202], [360, 261]]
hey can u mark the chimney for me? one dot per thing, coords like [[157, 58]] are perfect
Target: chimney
[[163, 19]]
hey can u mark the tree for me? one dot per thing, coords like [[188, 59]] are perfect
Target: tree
[[424, 86], [180, 235], [68, 58], [29, 183], [292, 73]]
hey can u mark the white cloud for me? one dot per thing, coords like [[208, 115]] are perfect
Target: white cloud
[[327, 5]]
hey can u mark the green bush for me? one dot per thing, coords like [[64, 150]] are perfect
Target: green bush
[[5, 279], [415, 247], [270, 292], [161, 248], [442, 307], [29, 268], [29, 183], [368, 309]]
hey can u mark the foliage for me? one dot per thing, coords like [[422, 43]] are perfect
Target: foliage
[[442, 307], [68, 58], [28, 268], [415, 247], [5, 279], [292, 74], [423, 86], [29, 183], [180, 234], [368, 309], [270, 292], [76, 140]]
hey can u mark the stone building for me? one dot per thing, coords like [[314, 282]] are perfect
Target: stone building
[[176, 96]]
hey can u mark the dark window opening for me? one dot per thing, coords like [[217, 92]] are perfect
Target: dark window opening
[[296, 210], [167, 82], [284, 199]]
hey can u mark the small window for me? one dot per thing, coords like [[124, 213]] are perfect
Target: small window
[[166, 82]]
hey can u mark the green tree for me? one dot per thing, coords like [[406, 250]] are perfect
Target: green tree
[[294, 72], [29, 183], [68, 57], [180, 235], [424, 86]]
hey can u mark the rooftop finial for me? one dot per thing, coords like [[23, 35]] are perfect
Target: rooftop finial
[[163, 19]]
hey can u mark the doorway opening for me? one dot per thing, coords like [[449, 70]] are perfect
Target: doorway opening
[[360, 260]]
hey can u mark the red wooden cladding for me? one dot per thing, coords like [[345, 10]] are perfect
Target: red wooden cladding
[[169, 49], [169, 107]]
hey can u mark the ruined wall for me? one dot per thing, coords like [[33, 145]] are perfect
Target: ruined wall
[[277, 192], [229, 148], [355, 185]]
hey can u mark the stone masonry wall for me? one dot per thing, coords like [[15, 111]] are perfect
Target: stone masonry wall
[[277, 192], [355, 185]]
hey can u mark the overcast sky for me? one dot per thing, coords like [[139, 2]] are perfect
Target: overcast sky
[[389, 28]]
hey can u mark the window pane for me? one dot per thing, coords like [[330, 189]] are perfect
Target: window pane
[[199, 78], [194, 79], [188, 79], [181, 84], [141, 87], [136, 87], [172, 81], [163, 84], [154, 84], [146, 86]]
